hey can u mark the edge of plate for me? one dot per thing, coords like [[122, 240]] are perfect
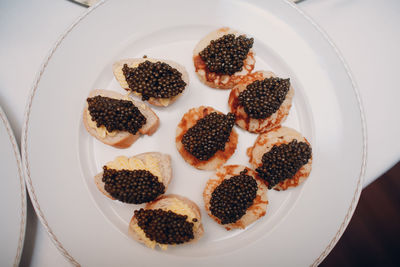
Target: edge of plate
[[360, 181], [33, 89], [17, 155], [25, 163]]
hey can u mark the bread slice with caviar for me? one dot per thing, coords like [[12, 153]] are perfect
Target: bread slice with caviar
[[223, 57], [176, 218], [118, 138], [160, 82], [128, 179], [205, 137], [282, 157], [236, 197], [261, 101]]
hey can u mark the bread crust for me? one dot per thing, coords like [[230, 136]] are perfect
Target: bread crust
[[217, 80], [258, 125], [254, 212], [122, 139], [188, 120], [278, 136], [163, 202], [165, 168], [133, 62]]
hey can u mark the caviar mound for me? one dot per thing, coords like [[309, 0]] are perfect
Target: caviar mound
[[119, 139], [159, 82], [208, 135], [223, 57], [263, 98], [253, 204], [266, 142], [226, 54], [233, 197], [283, 162], [164, 169], [134, 187], [164, 203], [115, 114], [164, 227], [189, 120], [253, 122]]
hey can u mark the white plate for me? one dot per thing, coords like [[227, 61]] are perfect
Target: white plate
[[61, 158], [12, 197]]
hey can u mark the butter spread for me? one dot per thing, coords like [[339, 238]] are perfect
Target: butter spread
[[101, 131], [150, 163], [164, 101]]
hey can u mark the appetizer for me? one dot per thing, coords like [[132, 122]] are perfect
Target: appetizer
[[117, 120], [236, 197], [205, 138], [282, 157], [160, 82], [261, 101], [169, 220], [223, 57], [135, 180]]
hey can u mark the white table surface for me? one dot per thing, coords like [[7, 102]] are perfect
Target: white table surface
[[367, 33]]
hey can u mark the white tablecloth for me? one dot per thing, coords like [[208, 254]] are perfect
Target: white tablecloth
[[367, 33]]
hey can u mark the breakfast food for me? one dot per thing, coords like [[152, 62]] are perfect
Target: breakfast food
[[261, 101], [223, 57], [160, 82], [282, 157], [135, 180], [169, 220], [236, 197], [116, 119], [205, 138]]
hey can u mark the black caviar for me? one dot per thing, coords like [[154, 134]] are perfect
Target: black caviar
[[115, 114], [158, 80], [262, 98], [283, 161], [233, 197], [208, 135], [136, 187], [226, 55], [165, 227]]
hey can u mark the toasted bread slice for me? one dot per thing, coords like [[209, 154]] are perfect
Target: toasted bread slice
[[254, 212], [122, 139], [164, 165], [134, 62], [164, 202], [258, 125], [278, 136], [188, 120], [215, 80]]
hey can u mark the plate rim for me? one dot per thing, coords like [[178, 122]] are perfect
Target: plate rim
[[25, 162], [23, 213], [361, 176]]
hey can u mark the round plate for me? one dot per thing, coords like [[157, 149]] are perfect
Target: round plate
[[12, 197], [61, 158]]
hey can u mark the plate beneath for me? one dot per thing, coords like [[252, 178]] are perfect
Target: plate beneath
[[62, 158]]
